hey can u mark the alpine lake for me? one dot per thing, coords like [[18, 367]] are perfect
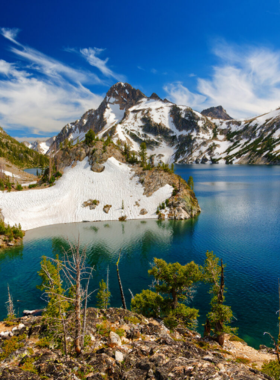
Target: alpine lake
[[239, 222]]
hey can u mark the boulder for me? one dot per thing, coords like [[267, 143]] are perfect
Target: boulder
[[119, 356], [143, 211], [115, 339], [98, 168], [106, 208]]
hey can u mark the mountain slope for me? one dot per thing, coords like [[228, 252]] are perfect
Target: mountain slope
[[19, 154], [175, 133]]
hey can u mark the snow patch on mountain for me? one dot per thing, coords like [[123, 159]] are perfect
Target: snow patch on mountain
[[63, 203]]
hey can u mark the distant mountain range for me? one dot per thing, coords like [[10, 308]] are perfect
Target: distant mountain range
[[175, 133], [40, 146]]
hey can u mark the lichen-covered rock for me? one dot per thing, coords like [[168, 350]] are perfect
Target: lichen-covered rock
[[91, 203]]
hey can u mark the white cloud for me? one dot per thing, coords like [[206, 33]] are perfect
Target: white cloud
[[10, 34], [154, 71], [246, 82], [91, 55], [43, 94], [182, 96]]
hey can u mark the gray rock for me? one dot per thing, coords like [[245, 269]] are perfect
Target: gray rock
[[115, 339], [119, 356], [98, 168]]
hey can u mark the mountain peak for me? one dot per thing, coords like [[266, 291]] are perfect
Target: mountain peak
[[216, 113], [155, 96], [124, 93]]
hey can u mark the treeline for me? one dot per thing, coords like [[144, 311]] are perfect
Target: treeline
[[65, 286], [10, 233], [18, 154]]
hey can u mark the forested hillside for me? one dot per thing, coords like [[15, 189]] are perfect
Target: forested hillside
[[17, 153]]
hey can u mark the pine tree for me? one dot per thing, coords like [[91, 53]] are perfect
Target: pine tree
[[143, 153], [89, 137], [173, 283], [220, 315], [191, 183], [103, 296]]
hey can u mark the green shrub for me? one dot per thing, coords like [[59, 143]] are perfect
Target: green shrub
[[242, 360], [19, 187], [32, 185], [43, 343], [272, 369], [11, 345]]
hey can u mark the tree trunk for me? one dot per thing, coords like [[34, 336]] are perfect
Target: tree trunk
[[175, 299], [121, 288], [207, 328], [78, 306], [84, 319], [219, 324], [50, 167]]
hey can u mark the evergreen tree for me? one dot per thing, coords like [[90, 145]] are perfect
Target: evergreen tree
[[103, 296], [89, 137], [173, 283], [52, 285], [220, 315], [191, 183], [143, 153]]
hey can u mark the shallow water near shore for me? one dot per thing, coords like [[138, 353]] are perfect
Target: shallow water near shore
[[239, 222]]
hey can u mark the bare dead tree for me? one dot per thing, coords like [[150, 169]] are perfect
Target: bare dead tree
[[75, 272], [120, 283]]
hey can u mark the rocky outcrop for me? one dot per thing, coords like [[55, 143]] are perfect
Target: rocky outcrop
[[122, 345], [216, 113], [182, 204]]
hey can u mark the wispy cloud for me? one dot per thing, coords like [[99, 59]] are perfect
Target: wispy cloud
[[154, 71], [92, 57], [140, 68], [40, 94], [246, 82], [10, 34]]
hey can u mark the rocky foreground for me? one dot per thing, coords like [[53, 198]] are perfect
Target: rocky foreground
[[124, 345]]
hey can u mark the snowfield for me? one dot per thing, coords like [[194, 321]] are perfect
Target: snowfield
[[62, 203]]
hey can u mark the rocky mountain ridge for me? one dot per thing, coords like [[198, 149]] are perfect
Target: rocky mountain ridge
[[176, 133]]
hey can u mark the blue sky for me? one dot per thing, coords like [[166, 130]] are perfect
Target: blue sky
[[59, 58]]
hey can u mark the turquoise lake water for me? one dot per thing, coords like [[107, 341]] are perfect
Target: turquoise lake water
[[240, 222]]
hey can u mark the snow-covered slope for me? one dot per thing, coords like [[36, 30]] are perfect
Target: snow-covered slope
[[175, 133], [63, 203]]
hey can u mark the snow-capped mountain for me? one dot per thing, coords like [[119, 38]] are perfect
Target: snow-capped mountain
[[175, 133], [41, 147]]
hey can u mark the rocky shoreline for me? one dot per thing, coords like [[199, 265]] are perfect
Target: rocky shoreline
[[128, 346]]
